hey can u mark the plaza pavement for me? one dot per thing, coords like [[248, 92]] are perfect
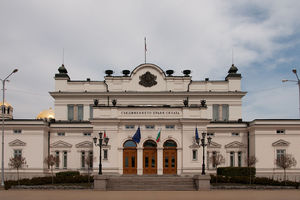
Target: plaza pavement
[[149, 195]]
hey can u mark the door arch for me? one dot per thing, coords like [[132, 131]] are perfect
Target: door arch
[[150, 157], [170, 157], [129, 157]]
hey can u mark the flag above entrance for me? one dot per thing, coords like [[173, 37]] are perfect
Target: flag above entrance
[[137, 136], [158, 136]]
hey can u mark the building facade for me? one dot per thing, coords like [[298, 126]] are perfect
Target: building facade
[[166, 109]]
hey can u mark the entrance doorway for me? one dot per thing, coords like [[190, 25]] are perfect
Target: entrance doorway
[[129, 157], [150, 157], [170, 157]]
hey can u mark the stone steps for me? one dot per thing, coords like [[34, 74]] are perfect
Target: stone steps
[[150, 183]]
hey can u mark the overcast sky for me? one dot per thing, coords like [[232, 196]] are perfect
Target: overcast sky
[[196, 35]]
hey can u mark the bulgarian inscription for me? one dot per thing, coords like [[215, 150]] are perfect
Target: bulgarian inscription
[[139, 113]]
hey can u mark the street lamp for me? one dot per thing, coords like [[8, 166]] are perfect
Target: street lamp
[[100, 144], [2, 109], [298, 82], [203, 144]]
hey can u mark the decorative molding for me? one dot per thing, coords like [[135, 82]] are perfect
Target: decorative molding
[[214, 145], [17, 143], [235, 144], [280, 143], [148, 79], [194, 146], [85, 144], [60, 144]]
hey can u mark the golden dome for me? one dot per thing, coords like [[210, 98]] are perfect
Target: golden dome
[[46, 114], [5, 104]]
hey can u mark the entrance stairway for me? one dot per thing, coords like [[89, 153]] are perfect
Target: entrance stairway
[[147, 182]]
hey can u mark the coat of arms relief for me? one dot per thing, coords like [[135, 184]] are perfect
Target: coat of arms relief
[[147, 80]]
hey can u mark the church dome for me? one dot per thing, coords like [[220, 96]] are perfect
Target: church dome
[[46, 114], [5, 104]]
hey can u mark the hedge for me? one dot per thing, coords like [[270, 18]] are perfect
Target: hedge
[[48, 180], [255, 180], [67, 173], [236, 171]]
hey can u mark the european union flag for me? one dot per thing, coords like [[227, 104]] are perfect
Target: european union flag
[[196, 134], [137, 136]]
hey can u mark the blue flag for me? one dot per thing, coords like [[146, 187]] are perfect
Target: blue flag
[[137, 136], [196, 134]]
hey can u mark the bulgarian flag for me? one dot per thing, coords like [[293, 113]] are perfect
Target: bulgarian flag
[[158, 136], [104, 136]]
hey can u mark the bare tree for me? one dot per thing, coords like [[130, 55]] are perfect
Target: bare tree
[[285, 161], [251, 161], [17, 163], [89, 162], [217, 160], [51, 160]]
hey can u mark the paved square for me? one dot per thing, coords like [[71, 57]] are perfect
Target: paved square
[[149, 195]]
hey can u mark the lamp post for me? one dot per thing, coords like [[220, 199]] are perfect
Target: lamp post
[[100, 144], [203, 144], [298, 82], [2, 109]]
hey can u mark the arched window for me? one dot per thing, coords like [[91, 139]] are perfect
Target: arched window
[[8, 110], [129, 143], [170, 143], [150, 143]]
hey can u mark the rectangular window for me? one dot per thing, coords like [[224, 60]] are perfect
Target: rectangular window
[[129, 126], [61, 134], [82, 159], [170, 126], [215, 112], [65, 159], [280, 131], [239, 158], [210, 134], [235, 134], [17, 131], [280, 153], [105, 154], [17, 153], [57, 158], [80, 112], [194, 154], [91, 111], [87, 134], [149, 126], [231, 159], [214, 157], [91, 159], [225, 112], [70, 112]]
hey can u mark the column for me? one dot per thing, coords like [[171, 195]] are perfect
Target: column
[[120, 163], [160, 160], [140, 161], [179, 161]]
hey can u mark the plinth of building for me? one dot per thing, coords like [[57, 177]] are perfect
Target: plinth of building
[[100, 182], [202, 182]]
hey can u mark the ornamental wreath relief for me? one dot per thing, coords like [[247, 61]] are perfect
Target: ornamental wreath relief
[[148, 80]]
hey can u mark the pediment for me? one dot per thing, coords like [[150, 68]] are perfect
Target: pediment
[[85, 144], [16, 143], [214, 145], [194, 146], [280, 143], [235, 144], [60, 144]]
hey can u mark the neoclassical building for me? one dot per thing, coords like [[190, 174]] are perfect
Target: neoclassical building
[[153, 101]]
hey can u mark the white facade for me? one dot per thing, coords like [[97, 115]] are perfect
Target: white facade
[[150, 99]]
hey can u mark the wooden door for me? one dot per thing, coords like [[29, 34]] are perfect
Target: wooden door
[[149, 161], [170, 161], [129, 161]]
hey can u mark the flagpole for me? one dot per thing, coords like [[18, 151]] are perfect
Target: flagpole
[[145, 49]]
